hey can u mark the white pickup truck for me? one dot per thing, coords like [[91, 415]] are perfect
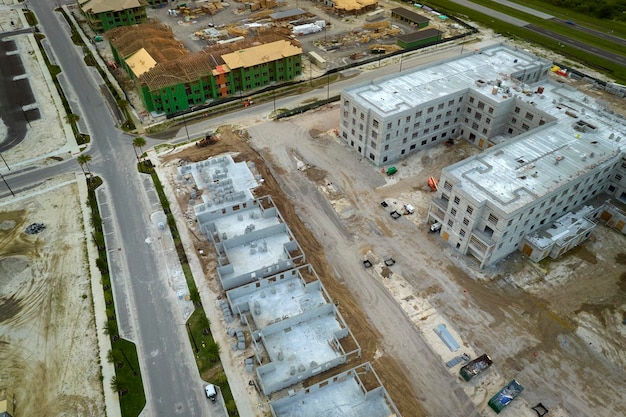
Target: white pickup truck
[[211, 392]]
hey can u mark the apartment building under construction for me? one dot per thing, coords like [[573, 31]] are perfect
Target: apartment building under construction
[[553, 162], [170, 79]]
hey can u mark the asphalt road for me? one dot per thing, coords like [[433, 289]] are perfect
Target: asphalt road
[[593, 32], [620, 59], [147, 307]]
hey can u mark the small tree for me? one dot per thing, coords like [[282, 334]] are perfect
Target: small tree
[[213, 350], [72, 118], [118, 386], [110, 329], [139, 142], [84, 159]]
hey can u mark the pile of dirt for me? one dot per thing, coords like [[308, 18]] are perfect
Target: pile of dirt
[[392, 375]]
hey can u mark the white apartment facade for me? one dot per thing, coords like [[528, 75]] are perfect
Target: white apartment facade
[[393, 117], [551, 149]]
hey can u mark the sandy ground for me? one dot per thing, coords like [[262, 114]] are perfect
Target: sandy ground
[[49, 352], [558, 332]]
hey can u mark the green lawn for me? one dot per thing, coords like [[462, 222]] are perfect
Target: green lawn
[[129, 376]]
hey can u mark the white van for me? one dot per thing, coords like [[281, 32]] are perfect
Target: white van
[[211, 392], [435, 227]]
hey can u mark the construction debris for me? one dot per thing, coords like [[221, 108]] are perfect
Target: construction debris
[[35, 228]]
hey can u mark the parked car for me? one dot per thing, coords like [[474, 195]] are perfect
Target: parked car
[[211, 392]]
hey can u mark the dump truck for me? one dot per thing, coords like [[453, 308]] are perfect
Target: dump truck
[[475, 367], [504, 397]]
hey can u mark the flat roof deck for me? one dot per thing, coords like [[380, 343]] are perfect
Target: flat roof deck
[[237, 223], [392, 94], [302, 346], [289, 300], [536, 163], [282, 300], [257, 254], [223, 181], [339, 396]]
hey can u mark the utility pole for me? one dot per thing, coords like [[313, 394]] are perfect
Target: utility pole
[[7, 184], [5, 162], [327, 86], [25, 116], [192, 339]]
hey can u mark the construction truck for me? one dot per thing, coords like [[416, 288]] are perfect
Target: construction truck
[[209, 139]]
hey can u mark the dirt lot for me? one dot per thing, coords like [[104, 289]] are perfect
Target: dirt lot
[[558, 332], [49, 351]]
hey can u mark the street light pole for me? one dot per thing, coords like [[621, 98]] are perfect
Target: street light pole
[[25, 116], [327, 86], [5, 162], [192, 338], [186, 131], [7, 184], [401, 57]]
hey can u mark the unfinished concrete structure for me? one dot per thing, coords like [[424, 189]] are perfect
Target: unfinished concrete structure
[[251, 240], [250, 236], [552, 149], [355, 393], [296, 329]]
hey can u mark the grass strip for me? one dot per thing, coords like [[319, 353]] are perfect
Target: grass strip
[[127, 381]]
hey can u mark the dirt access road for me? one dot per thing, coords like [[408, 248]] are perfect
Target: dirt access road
[[567, 350]]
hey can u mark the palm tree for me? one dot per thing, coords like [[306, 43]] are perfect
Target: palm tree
[[118, 386], [84, 159], [139, 142], [71, 118]]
